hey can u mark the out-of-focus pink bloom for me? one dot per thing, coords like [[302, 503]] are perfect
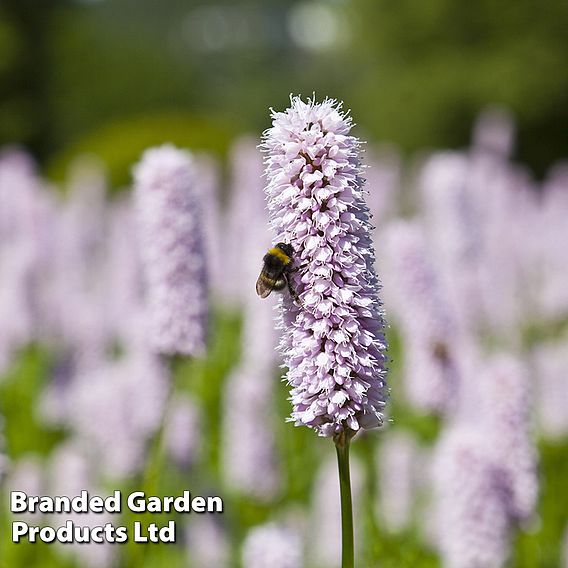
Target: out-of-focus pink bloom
[[208, 544], [116, 409], [383, 182], [551, 370], [4, 462], [506, 403], [20, 190], [172, 250], [552, 234], [246, 236], [248, 239], [70, 473], [208, 184], [472, 523], [428, 327], [183, 432], [25, 214], [78, 320], [397, 464], [123, 274], [16, 329], [259, 335], [54, 399], [494, 133], [272, 546], [477, 207], [249, 451], [499, 193], [250, 463], [528, 214], [452, 226], [26, 474], [485, 472]]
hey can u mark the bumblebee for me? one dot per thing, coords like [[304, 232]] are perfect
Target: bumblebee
[[278, 265]]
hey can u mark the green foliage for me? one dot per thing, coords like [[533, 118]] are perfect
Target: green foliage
[[415, 74], [25, 434], [120, 144], [539, 545], [431, 66]]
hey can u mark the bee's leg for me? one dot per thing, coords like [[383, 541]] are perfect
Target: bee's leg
[[296, 268], [293, 292]]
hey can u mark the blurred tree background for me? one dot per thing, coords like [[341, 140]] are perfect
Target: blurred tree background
[[113, 76]]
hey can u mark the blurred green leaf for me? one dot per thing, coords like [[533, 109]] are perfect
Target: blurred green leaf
[[120, 144]]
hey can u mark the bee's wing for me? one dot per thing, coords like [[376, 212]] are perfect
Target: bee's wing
[[264, 285]]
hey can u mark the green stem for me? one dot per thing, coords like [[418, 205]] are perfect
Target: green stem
[[347, 549]]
